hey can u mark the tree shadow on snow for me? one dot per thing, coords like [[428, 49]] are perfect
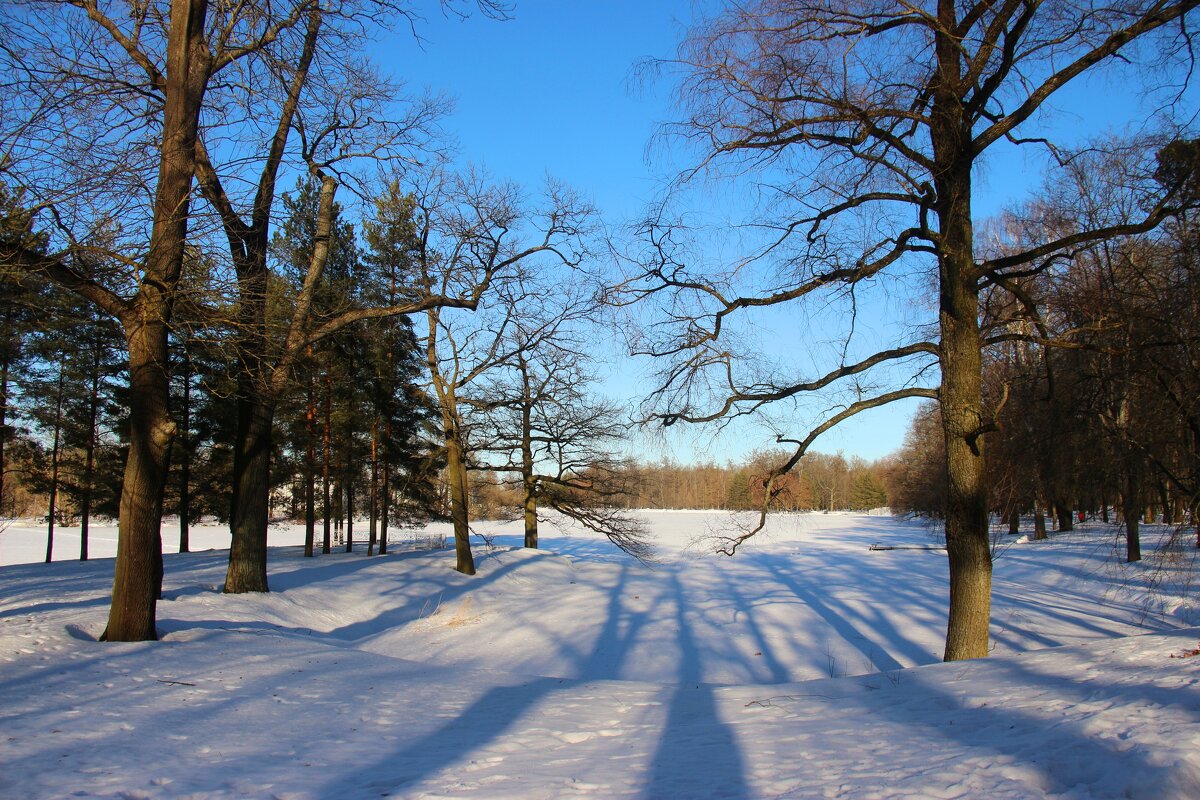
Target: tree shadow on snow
[[693, 737]]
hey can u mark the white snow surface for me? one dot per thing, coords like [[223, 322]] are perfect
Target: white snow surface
[[807, 665]]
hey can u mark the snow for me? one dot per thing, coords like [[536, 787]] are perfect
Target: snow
[[806, 666]]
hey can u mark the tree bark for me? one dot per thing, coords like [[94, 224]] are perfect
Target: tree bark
[[528, 479], [1063, 513], [326, 463], [374, 491], [1131, 504], [310, 468], [89, 457], [185, 465], [456, 472], [967, 542], [252, 484], [58, 402], [349, 489], [137, 576], [138, 572]]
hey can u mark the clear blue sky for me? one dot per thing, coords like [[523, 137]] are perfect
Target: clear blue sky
[[552, 92]]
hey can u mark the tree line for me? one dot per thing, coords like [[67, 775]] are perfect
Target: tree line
[[821, 483]]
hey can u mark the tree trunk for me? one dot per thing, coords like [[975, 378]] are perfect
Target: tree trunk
[[1065, 516], [373, 504], [456, 472], [58, 402], [1014, 521], [1131, 508], [967, 541], [1039, 522], [385, 497], [349, 488], [137, 577], [252, 484], [89, 454], [310, 468], [138, 573], [326, 464], [185, 465], [528, 480]]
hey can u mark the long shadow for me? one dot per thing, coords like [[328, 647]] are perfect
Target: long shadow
[[408, 611], [877, 641], [694, 737], [490, 715], [778, 673], [619, 631], [976, 727]]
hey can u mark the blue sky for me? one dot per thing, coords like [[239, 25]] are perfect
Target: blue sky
[[553, 92]]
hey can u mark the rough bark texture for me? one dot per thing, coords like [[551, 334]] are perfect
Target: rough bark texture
[[89, 458], [310, 468], [136, 577], [185, 464], [1131, 508], [251, 458], [456, 471], [528, 480], [137, 574], [1065, 516], [54, 468], [967, 544], [326, 464]]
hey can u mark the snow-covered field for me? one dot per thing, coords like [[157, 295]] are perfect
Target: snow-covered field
[[807, 666]]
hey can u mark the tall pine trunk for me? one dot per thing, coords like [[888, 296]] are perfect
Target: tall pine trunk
[[89, 457], [349, 489], [58, 403], [185, 464], [326, 465], [385, 497], [374, 499], [310, 467]]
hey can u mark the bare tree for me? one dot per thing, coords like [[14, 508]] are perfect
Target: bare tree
[[474, 237], [541, 423], [865, 122]]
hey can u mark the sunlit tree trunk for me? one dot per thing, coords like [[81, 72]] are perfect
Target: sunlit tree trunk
[[961, 398], [50, 519]]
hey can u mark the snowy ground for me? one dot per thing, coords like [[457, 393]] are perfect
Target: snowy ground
[[805, 667]]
